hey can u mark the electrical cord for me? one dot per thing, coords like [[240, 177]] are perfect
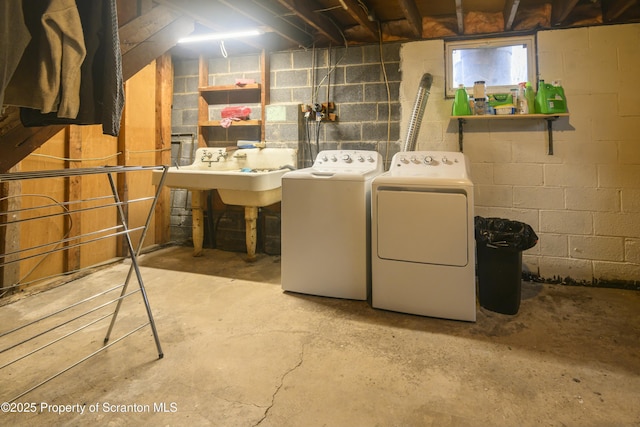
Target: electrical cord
[[223, 49], [386, 82], [20, 281], [68, 159]]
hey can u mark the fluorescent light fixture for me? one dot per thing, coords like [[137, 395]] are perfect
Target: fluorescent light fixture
[[220, 36]]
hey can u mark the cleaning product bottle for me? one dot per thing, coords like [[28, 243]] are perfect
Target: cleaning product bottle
[[530, 97], [461, 105], [540, 97], [523, 107]]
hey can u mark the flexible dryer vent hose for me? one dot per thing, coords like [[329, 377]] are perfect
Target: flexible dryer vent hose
[[418, 112]]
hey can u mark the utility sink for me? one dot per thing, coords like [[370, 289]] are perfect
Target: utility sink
[[249, 177], [245, 170]]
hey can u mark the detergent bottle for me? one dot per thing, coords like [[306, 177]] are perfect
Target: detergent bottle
[[539, 99], [530, 97], [550, 99], [461, 105]]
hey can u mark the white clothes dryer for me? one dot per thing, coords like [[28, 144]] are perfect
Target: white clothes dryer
[[326, 218], [423, 244]]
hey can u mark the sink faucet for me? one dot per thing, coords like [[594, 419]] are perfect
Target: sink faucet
[[207, 157]]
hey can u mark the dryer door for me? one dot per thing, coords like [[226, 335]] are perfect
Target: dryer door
[[422, 226]]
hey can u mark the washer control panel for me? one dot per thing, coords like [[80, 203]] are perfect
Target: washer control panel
[[431, 163], [354, 161]]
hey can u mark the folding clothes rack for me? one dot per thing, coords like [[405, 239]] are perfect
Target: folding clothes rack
[[37, 336]]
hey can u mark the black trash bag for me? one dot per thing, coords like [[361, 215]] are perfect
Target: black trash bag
[[504, 233]]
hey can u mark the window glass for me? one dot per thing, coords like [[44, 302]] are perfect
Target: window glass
[[500, 63]]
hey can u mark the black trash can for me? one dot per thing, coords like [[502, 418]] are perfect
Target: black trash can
[[499, 245]]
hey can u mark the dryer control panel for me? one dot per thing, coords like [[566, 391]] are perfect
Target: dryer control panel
[[446, 164], [348, 161]]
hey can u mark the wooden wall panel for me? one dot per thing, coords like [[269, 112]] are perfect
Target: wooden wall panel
[[87, 147], [35, 193], [97, 150], [138, 143]]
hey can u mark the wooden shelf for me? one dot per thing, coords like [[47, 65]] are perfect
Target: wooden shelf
[[227, 88], [231, 94], [512, 116], [252, 94], [213, 123], [549, 118]]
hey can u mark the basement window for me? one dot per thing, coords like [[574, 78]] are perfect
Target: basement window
[[501, 63]]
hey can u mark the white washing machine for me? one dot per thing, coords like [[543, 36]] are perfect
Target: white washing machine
[[326, 218], [423, 244]]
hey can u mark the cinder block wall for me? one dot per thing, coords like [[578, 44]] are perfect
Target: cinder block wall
[[184, 112], [368, 114], [183, 147], [583, 201], [366, 105]]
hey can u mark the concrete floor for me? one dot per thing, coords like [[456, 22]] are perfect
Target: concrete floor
[[240, 352]]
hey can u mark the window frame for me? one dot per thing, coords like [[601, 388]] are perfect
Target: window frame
[[528, 40]]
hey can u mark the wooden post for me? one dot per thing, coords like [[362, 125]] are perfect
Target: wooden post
[[9, 233], [198, 204], [164, 96], [73, 191], [264, 93], [203, 106], [251, 233]]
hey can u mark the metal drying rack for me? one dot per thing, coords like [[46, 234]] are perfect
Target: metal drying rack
[[34, 336]]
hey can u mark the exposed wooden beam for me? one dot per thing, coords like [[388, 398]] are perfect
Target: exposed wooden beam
[[460, 16], [358, 14], [131, 9], [276, 24], [209, 14], [560, 9], [510, 10], [615, 8], [320, 22], [411, 12], [18, 142], [155, 45], [144, 26]]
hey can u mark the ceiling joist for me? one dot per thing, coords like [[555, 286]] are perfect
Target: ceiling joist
[[317, 20], [460, 16], [211, 15], [411, 12], [274, 23], [141, 28], [358, 14], [510, 10], [616, 8], [560, 9]]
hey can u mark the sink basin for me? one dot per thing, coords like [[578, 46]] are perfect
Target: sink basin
[[246, 171], [249, 177]]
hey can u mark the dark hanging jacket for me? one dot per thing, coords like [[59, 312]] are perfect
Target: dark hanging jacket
[[14, 38], [48, 75], [101, 86]]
